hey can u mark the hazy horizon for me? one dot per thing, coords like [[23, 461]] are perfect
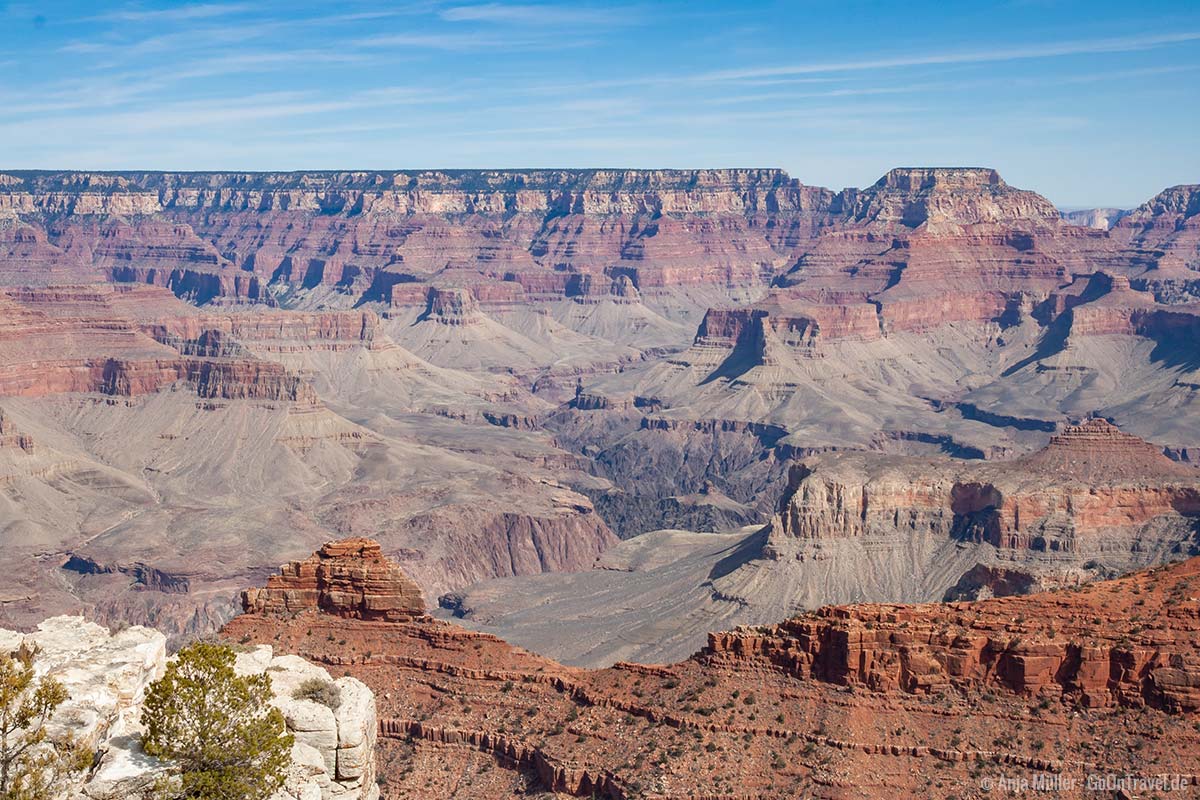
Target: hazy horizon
[[1092, 105]]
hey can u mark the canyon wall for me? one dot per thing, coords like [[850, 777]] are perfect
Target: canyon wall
[[519, 235], [1093, 498], [865, 700], [132, 421], [1097, 647], [491, 371]]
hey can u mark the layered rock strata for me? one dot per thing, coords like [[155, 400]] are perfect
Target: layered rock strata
[[939, 310], [348, 578], [848, 701], [136, 427], [373, 234], [1101, 646], [1093, 497], [105, 340]]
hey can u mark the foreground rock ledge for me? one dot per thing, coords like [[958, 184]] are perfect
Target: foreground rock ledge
[[106, 676], [866, 701]]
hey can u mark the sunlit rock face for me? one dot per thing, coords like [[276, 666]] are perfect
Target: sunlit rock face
[[347, 578], [106, 676], [890, 693]]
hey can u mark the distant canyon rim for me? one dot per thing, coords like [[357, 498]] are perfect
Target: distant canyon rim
[[600, 412]]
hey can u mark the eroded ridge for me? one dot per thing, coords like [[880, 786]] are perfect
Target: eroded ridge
[[924, 700]]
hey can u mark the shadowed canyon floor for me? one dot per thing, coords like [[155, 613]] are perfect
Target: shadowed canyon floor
[[855, 527], [941, 700]]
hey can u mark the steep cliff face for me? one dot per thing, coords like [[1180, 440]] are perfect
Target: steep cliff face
[[1092, 490], [1130, 642], [228, 236], [914, 196], [847, 701], [106, 340], [599, 192], [961, 237], [1168, 228]]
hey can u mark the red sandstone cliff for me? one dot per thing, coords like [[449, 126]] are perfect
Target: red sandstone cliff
[[1098, 646], [349, 578], [865, 701], [93, 339]]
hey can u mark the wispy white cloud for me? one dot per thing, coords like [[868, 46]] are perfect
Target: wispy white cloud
[[230, 111], [1122, 44], [182, 13], [470, 42], [771, 97], [201, 35], [538, 15], [174, 41]]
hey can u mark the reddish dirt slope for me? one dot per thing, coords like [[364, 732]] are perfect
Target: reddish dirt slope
[[940, 700]]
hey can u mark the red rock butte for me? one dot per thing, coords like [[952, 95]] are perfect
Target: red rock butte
[[871, 701], [350, 578]]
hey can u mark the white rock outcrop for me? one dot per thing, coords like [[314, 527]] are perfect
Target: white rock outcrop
[[106, 676], [334, 754]]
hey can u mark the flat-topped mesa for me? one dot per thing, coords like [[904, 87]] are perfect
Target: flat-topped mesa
[[798, 323], [912, 196], [453, 306], [350, 578], [1093, 497], [917, 179], [1099, 452]]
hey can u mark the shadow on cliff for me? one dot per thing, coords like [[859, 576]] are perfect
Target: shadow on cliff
[[1176, 353], [747, 550], [1053, 341]]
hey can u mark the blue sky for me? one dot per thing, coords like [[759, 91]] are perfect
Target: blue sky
[[1090, 103]]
